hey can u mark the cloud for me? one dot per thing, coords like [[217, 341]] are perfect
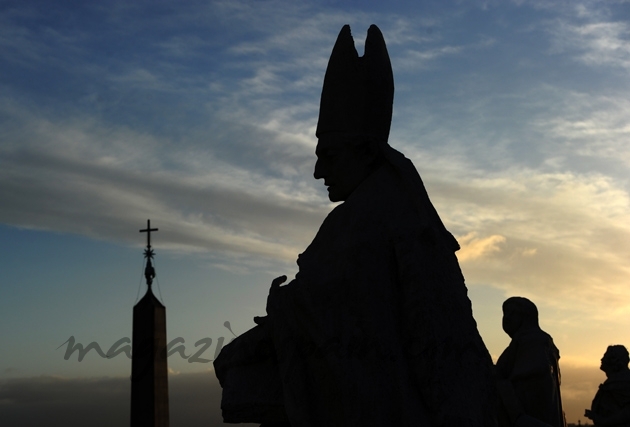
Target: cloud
[[229, 168], [202, 118], [64, 402], [67, 196], [194, 399], [578, 388], [472, 247], [415, 59], [31, 46], [224, 159], [589, 126], [601, 44], [558, 237], [78, 176], [593, 34], [104, 401]]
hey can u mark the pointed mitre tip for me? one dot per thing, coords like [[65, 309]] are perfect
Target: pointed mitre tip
[[374, 36], [345, 36], [374, 29], [344, 46]]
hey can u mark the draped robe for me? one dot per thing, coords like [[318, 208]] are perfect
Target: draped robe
[[376, 329], [613, 398], [530, 363]]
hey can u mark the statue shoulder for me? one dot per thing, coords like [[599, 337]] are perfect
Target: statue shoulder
[[620, 380]]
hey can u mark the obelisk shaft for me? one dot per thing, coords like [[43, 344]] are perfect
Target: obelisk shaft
[[149, 369]]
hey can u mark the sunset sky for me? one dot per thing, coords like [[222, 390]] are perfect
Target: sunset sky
[[201, 116]]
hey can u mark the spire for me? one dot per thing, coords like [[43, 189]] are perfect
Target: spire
[[149, 271]]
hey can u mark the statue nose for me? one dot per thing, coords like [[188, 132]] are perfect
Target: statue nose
[[319, 171]]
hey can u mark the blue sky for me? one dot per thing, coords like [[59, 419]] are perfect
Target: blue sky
[[200, 115]]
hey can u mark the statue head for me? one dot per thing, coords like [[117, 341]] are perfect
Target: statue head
[[355, 113], [519, 313], [343, 162], [615, 359]]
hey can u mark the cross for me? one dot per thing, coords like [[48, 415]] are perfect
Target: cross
[[148, 230]]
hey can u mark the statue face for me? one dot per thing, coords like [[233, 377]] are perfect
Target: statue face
[[512, 320], [612, 362], [342, 165], [605, 361]]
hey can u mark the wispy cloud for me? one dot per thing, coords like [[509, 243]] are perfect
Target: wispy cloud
[[557, 237], [234, 182], [75, 176], [473, 247], [591, 125], [202, 116], [592, 33], [601, 44]]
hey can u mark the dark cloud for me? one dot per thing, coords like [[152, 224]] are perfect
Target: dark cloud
[[194, 399], [64, 402], [61, 402]]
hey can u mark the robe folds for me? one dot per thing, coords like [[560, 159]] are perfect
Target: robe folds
[[530, 363], [376, 329], [613, 397]]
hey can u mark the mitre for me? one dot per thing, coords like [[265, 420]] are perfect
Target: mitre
[[358, 92]]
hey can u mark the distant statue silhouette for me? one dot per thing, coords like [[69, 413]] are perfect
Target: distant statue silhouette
[[611, 405], [376, 329], [527, 371]]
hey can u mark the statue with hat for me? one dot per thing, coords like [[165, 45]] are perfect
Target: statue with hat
[[376, 329]]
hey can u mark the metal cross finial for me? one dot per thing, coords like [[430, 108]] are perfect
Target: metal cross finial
[[149, 271], [148, 252]]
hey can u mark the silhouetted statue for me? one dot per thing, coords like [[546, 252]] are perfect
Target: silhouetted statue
[[376, 329], [527, 371], [611, 406]]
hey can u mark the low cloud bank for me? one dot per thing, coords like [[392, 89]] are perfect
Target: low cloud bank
[[579, 385], [194, 399], [62, 402]]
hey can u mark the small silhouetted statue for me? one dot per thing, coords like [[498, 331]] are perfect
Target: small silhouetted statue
[[611, 405], [376, 329], [527, 371]]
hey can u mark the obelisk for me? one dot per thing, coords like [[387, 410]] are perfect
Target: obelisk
[[149, 370]]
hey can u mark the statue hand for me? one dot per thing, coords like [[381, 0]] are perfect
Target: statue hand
[[597, 419], [272, 299], [260, 320]]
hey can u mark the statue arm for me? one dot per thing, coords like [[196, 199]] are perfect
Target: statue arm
[[505, 362], [620, 418]]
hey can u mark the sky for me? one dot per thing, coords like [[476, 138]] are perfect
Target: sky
[[201, 116]]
